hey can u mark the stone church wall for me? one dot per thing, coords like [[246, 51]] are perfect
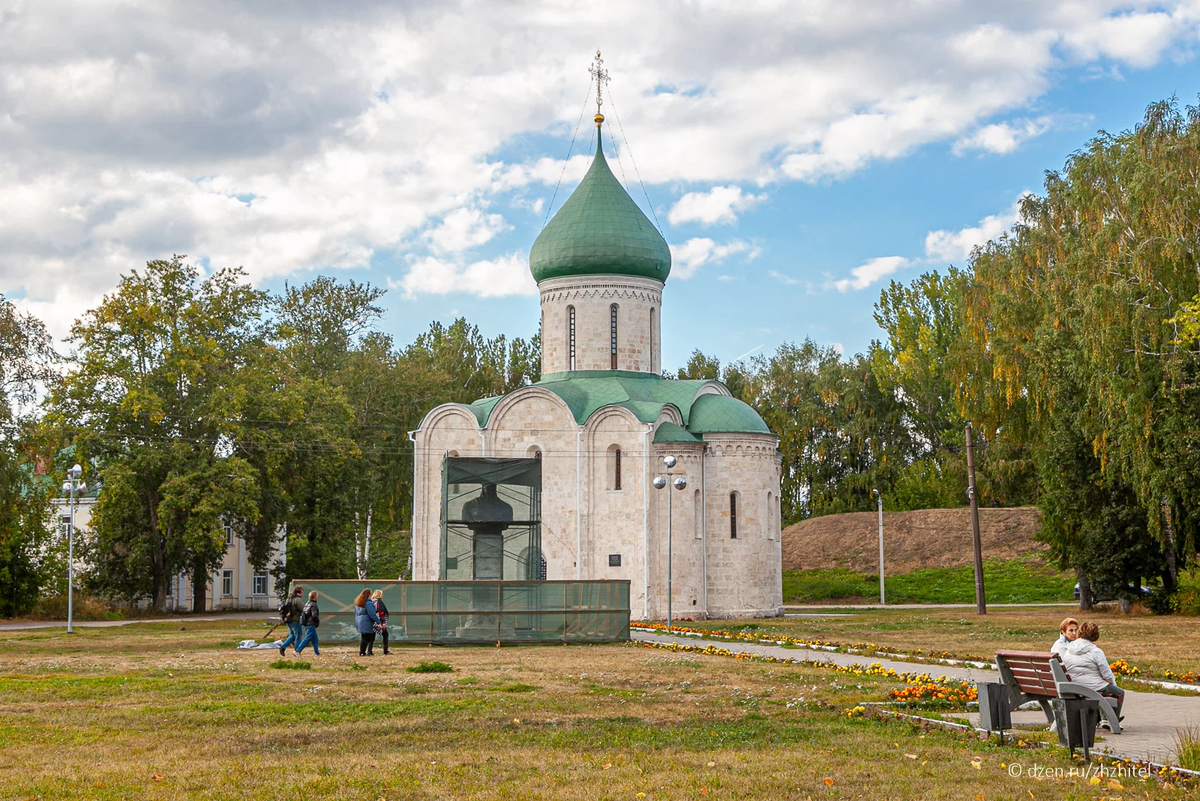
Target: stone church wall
[[592, 298], [615, 521], [630, 522], [744, 578], [687, 543]]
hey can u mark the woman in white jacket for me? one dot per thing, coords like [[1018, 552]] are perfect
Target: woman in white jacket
[[1068, 633], [1088, 666]]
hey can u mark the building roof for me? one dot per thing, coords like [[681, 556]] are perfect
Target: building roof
[[721, 413], [669, 432], [599, 231], [645, 395]]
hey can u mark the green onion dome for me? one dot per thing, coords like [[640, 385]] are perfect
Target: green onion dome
[[599, 231]]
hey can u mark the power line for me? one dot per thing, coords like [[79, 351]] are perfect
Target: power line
[[586, 97], [632, 159]]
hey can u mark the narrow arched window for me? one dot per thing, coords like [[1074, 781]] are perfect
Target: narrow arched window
[[614, 467], [612, 336], [733, 496], [698, 515], [770, 515], [571, 337], [650, 355]]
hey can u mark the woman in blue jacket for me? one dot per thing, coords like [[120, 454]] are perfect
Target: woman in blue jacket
[[365, 619]]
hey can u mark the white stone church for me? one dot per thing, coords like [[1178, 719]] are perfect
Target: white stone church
[[602, 418]]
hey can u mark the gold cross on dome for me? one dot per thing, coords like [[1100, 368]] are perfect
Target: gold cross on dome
[[600, 76]]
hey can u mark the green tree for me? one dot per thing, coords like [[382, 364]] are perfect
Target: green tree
[[28, 557], [840, 435], [700, 366], [923, 323], [158, 386], [1079, 322]]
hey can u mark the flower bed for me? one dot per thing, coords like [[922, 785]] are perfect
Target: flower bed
[[1122, 668], [940, 692]]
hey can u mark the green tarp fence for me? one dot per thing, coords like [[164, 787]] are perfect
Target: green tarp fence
[[470, 612]]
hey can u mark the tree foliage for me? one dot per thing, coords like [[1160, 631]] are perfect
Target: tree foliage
[[158, 387], [29, 557], [1083, 314]]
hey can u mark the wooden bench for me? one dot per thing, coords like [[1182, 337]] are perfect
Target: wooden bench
[[1033, 676]]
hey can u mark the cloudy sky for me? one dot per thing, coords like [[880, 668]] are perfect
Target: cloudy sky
[[797, 155]]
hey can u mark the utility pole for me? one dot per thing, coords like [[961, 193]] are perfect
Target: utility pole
[[879, 500], [972, 495]]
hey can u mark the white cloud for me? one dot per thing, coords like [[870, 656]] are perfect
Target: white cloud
[[956, 246], [501, 277], [869, 272], [289, 138], [1136, 38], [693, 254], [1002, 137], [1005, 137], [781, 278], [463, 229], [721, 204]]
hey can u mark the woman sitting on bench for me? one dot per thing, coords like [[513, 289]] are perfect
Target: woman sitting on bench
[[1088, 666]]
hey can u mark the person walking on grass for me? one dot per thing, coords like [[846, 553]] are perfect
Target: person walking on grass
[[289, 613], [1068, 632], [364, 622], [310, 618], [381, 612], [1088, 665]]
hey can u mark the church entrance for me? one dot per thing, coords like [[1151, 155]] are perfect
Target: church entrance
[[491, 519]]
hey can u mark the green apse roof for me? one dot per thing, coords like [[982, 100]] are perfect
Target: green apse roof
[[720, 413], [645, 395], [599, 231]]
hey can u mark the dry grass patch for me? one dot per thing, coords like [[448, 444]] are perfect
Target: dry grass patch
[[147, 712]]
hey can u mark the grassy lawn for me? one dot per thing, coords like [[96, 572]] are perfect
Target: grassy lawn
[[1015, 581], [1147, 641], [172, 711]]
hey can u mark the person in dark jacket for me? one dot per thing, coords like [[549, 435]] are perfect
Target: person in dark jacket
[[291, 615], [310, 618], [364, 623], [381, 611]]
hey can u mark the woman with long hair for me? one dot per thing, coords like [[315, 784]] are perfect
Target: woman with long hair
[[381, 612], [364, 622]]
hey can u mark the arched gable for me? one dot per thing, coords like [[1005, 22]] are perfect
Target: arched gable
[[437, 417], [713, 388], [511, 402], [670, 414], [607, 414]]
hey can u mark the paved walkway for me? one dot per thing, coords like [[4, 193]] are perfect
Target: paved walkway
[[791, 607], [103, 624], [1151, 719]]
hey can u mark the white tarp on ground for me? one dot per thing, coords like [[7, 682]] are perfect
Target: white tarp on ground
[[255, 645]]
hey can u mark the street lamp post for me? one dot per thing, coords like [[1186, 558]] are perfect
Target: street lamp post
[[879, 501], [73, 486], [660, 482]]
